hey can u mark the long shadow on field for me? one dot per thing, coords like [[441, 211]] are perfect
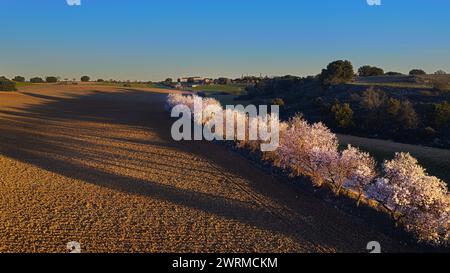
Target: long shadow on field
[[60, 133]]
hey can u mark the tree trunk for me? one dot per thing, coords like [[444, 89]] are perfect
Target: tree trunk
[[338, 190], [359, 199]]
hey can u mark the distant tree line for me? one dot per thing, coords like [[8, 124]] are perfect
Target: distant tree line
[[416, 116]]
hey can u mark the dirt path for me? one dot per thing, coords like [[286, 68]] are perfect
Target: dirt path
[[97, 165]]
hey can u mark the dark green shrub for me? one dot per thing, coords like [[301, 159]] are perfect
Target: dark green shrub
[[367, 71], [278, 101], [337, 72], [36, 80], [51, 79], [19, 79], [407, 116], [417, 72], [7, 85], [343, 114], [85, 79], [442, 114]]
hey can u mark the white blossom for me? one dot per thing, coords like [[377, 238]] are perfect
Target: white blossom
[[422, 200], [358, 169], [308, 149]]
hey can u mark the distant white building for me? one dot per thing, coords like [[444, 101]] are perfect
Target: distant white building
[[192, 80]]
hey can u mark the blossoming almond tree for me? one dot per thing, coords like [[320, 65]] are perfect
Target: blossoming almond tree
[[308, 150], [177, 99], [209, 106], [420, 199], [358, 169]]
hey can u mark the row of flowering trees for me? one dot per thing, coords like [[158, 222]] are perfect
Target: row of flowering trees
[[419, 201], [415, 199]]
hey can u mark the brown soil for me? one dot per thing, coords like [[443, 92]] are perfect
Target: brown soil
[[97, 165]]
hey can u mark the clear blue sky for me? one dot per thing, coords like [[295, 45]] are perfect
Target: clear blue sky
[[155, 39]]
